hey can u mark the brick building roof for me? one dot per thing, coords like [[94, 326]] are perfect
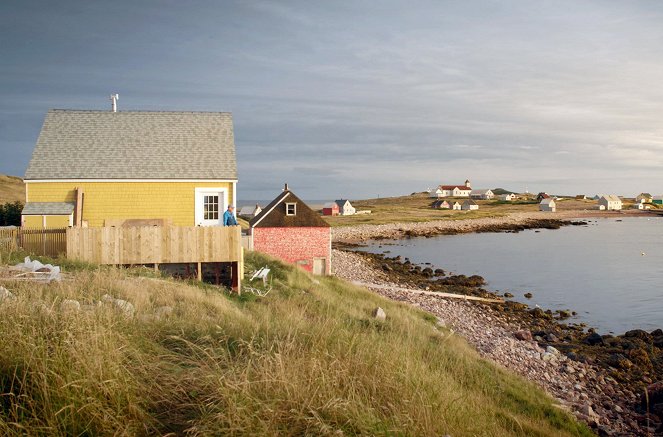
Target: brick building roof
[[274, 215]]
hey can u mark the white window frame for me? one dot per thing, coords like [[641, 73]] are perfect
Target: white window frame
[[200, 192], [294, 206]]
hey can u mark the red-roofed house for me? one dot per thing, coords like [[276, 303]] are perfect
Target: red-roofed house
[[454, 190]]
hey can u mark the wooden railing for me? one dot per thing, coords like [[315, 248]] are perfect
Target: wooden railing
[[155, 244], [45, 242]]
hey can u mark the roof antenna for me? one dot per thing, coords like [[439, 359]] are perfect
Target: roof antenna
[[114, 98]]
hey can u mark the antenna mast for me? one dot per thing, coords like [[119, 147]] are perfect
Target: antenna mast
[[114, 98]]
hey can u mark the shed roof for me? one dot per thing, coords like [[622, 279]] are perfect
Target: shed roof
[[469, 202], [48, 208], [76, 144], [611, 198], [548, 201], [274, 214]]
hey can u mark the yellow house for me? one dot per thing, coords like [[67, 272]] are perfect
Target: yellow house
[[104, 168]]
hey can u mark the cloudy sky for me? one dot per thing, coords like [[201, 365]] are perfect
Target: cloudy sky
[[362, 98]]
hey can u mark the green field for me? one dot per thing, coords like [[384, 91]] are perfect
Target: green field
[[417, 208]]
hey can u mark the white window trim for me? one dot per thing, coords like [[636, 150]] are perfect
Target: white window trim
[[294, 204], [198, 204]]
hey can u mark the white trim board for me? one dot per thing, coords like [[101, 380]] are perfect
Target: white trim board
[[287, 193]]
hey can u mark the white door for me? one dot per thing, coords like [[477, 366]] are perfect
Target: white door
[[319, 266], [210, 205]]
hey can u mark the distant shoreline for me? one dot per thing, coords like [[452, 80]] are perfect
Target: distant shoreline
[[354, 234]]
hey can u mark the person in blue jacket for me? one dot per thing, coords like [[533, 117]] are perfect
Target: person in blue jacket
[[229, 217]]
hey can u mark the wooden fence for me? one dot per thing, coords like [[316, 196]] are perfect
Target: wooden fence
[[155, 244], [45, 242]]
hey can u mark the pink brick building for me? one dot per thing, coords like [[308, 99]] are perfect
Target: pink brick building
[[291, 231]]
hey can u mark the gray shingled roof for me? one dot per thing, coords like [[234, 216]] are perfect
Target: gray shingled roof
[[134, 145], [48, 208]]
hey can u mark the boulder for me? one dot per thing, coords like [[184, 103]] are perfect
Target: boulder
[[70, 305], [125, 307], [523, 335], [638, 333], [552, 350], [163, 312], [593, 339], [379, 314], [654, 396], [6, 294], [619, 361]]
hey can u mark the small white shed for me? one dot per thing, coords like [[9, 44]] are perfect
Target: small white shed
[[548, 205]]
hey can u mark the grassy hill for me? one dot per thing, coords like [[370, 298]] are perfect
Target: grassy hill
[[12, 189], [307, 359]]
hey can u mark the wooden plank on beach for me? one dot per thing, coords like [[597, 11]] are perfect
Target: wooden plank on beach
[[428, 293]]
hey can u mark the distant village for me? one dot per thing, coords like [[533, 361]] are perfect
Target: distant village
[[446, 196]]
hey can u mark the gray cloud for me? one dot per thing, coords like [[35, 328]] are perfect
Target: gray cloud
[[349, 99]]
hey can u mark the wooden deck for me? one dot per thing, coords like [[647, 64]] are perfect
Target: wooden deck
[[155, 244]]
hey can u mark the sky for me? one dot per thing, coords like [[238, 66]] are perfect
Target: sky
[[359, 99]]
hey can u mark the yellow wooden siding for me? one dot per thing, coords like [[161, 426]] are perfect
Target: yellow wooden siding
[[128, 200], [33, 221], [57, 221]]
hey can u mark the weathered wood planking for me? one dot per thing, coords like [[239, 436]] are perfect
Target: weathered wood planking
[[36, 241], [154, 244]]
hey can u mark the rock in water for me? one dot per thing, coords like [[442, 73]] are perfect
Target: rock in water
[[379, 314]]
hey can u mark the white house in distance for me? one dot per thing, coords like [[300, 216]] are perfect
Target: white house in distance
[[456, 206], [644, 198], [509, 197], [250, 211], [469, 205], [548, 205], [453, 190], [610, 202], [344, 207], [482, 194]]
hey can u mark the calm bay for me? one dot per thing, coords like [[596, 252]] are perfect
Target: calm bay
[[610, 271]]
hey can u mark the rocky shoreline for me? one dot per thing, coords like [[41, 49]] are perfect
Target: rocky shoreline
[[512, 222], [600, 378]]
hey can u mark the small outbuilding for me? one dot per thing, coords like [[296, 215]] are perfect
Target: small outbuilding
[[456, 206], [469, 205], [290, 230], [441, 204], [330, 208], [250, 211], [657, 200], [345, 207], [482, 193], [508, 197], [610, 202], [548, 205]]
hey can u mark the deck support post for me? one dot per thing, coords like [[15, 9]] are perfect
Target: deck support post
[[200, 271]]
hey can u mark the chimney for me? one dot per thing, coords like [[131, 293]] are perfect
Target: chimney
[[286, 187], [114, 98]]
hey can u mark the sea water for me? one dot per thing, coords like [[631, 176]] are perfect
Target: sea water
[[610, 272]]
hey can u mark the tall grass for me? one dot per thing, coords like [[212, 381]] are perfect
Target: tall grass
[[307, 359]]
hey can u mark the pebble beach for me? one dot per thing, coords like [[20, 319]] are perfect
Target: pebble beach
[[585, 389]]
